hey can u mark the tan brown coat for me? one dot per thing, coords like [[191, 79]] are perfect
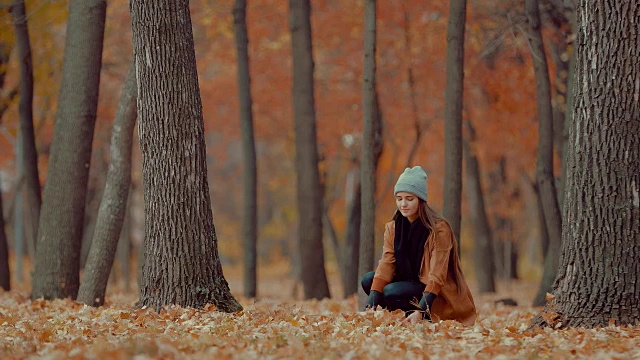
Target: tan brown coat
[[436, 272]]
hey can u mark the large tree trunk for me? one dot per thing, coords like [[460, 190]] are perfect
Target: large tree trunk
[[27, 136], [483, 240], [597, 281], [181, 265], [57, 265], [5, 274], [544, 173], [313, 275], [250, 226], [114, 199], [453, 115]]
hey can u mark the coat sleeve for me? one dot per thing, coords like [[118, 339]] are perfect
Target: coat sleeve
[[387, 265], [439, 258]]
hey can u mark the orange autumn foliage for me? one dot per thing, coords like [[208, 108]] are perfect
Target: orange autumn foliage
[[499, 100]]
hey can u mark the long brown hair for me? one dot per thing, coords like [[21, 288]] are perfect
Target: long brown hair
[[430, 218]]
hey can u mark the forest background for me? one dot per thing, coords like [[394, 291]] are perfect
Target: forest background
[[499, 98], [502, 50]]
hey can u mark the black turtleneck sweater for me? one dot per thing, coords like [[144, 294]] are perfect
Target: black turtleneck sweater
[[409, 241]]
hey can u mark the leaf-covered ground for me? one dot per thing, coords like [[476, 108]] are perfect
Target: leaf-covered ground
[[273, 327], [63, 329]]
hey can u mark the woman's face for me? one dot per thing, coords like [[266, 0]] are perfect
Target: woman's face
[[407, 204]]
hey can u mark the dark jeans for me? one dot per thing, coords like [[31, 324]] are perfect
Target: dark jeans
[[404, 295]]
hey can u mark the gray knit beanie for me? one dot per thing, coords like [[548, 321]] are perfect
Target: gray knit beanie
[[413, 180]]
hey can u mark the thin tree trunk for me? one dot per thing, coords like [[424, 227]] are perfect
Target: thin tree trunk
[[559, 53], [412, 89], [351, 254], [498, 252], [120, 271], [114, 199], [505, 252], [313, 275], [453, 115], [540, 298], [544, 233], [250, 226], [5, 98], [597, 282], [568, 116], [567, 123], [483, 240], [544, 173], [367, 170], [95, 190], [182, 265], [18, 210], [5, 274], [562, 15], [57, 264], [497, 189], [28, 142], [514, 253], [123, 251], [333, 237]]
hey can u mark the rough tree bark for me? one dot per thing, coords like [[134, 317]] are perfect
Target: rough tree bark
[[544, 171], [57, 264], [114, 199], [25, 109], [453, 115], [483, 239], [597, 280], [313, 275], [250, 226], [181, 261]]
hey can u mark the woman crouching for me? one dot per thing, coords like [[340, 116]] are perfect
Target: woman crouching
[[419, 271]]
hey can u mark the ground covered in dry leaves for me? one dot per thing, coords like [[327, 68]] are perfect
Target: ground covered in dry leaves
[[272, 327]]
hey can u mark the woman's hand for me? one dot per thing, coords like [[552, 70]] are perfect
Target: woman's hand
[[375, 299], [413, 318]]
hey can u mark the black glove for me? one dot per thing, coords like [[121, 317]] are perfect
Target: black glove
[[375, 298], [425, 304]]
